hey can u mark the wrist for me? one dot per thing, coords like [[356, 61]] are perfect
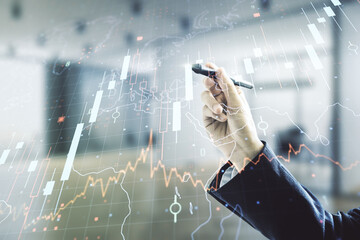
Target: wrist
[[242, 155]]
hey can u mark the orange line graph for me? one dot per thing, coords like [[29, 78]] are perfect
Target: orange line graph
[[104, 187], [290, 151], [91, 181]]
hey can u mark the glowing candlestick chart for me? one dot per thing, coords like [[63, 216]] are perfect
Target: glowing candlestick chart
[[123, 153]]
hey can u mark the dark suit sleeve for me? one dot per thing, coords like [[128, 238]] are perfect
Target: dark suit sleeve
[[270, 199]]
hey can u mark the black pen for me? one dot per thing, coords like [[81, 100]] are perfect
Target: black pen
[[201, 69]]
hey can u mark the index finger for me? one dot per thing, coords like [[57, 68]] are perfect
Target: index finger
[[224, 81]]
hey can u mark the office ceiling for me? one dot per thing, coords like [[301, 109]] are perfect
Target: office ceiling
[[70, 28]]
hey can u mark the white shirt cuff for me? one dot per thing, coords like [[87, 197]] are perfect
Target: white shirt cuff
[[228, 175]]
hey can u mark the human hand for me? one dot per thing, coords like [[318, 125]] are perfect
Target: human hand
[[228, 120]]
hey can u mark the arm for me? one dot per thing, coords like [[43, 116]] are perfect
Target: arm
[[270, 199], [263, 192]]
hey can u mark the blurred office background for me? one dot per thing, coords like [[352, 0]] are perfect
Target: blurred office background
[[113, 77]]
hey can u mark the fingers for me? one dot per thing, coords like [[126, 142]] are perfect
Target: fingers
[[209, 114], [212, 86], [210, 83], [224, 82], [242, 105], [209, 100], [241, 94]]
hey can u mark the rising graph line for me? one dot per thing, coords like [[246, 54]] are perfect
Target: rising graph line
[[91, 181]]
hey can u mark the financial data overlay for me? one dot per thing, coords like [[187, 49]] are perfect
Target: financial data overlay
[[102, 133]]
